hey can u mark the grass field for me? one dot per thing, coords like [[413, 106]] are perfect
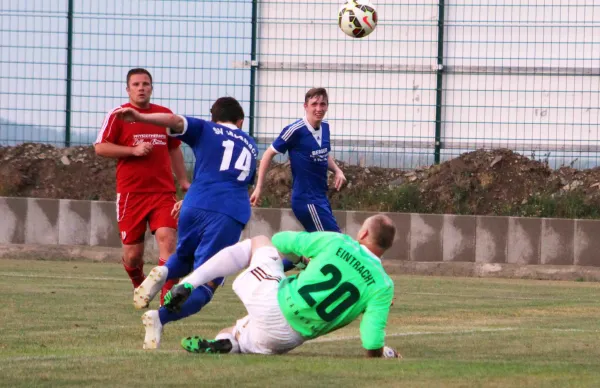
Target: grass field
[[73, 324]]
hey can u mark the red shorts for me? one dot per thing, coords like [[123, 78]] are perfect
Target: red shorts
[[135, 210]]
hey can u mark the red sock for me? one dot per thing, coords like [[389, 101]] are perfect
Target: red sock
[[168, 285], [136, 274]]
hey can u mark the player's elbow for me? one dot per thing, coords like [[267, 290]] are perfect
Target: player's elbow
[[98, 149], [104, 150], [176, 123], [269, 153], [267, 157]]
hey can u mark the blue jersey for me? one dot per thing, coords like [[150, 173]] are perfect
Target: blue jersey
[[225, 167], [308, 149]]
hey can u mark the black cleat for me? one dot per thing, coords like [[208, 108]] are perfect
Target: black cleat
[[200, 345], [177, 297]]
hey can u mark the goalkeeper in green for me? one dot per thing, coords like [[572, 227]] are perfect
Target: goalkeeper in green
[[343, 279]]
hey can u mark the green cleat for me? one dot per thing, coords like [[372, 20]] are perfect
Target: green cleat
[[200, 345], [177, 296]]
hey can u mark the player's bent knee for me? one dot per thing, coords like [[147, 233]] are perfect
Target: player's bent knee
[[260, 242], [166, 239], [166, 236], [133, 254]]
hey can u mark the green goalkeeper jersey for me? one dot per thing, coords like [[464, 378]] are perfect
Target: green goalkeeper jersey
[[343, 280]]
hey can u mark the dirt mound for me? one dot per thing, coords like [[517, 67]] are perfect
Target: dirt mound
[[43, 171], [483, 182], [498, 182]]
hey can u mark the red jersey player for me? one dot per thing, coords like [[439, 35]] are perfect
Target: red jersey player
[[145, 187]]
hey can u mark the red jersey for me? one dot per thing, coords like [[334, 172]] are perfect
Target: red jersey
[[141, 174]]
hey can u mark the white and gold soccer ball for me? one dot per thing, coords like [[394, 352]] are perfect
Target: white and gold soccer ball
[[357, 18]]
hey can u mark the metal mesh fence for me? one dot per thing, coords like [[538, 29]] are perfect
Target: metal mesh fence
[[33, 70], [434, 80], [523, 75]]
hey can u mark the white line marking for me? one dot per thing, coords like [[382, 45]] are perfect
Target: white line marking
[[18, 275], [415, 333]]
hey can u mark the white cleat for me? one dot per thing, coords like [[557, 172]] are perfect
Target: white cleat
[[150, 287], [153, 328]]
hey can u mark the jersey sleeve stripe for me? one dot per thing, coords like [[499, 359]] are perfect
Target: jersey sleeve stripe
[[286, 136], [315, 217], [106, 124], [291, 130]]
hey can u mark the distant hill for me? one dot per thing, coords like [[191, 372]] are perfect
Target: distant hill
[[12, 133]]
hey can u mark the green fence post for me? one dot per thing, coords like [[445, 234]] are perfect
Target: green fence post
[[253, 66], [439, 84], [69, 74]]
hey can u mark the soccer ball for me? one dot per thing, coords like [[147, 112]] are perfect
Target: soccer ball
[[357, 18]]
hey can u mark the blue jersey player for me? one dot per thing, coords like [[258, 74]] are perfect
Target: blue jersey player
[[308, 143], [214, 211]]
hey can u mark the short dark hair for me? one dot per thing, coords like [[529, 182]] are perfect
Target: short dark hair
[[138, 70], [383, 231], [316, 92], [226, 110]]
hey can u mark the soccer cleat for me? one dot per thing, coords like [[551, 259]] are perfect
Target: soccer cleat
[[153, 328], [177, 297], [200, 345], [166, 288], [150, 287]]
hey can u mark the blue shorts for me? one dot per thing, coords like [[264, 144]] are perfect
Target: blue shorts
[[315, 216], [203, 233]]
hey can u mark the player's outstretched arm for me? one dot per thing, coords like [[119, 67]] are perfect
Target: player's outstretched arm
[[169, 120], [374, 321], [265, 162]]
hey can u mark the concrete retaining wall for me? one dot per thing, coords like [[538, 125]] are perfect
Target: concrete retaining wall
[[420, 237]]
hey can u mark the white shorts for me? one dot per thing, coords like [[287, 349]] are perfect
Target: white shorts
[[264, 330]]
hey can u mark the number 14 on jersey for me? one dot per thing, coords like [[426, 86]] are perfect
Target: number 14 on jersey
[[243, 162]]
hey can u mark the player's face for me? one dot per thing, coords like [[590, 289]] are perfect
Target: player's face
[[315, 109], [139, 90]]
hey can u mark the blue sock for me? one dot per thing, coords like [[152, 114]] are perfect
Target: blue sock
[[178, 268], [287, 265], [198, 299]]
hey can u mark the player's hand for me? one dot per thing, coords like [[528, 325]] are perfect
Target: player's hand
[[390, 353], [142, 149], [303, 263], [340, 180], [176, 210], [185, 185], [129, 115], [255, 197]]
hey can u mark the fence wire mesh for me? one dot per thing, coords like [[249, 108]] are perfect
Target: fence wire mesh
[[434, 80]]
